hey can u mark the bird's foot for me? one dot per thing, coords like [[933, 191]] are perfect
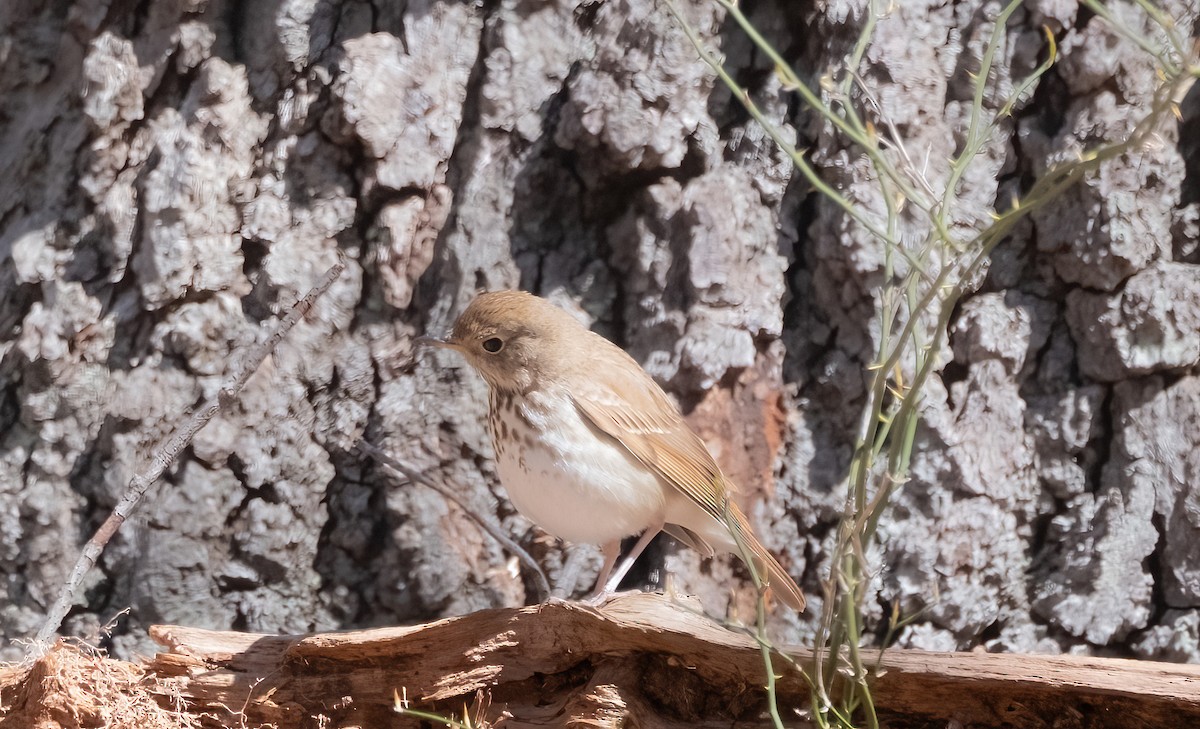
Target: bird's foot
[[603, 598], [598, 598]]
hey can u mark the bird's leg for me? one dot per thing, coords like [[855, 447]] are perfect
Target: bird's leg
[[611, 551], [604, 589], [619, 574]]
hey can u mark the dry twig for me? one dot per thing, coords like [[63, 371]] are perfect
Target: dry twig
[[449, 494], [165, 455]]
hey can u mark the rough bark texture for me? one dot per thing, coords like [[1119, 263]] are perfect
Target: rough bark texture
[[177, 171]]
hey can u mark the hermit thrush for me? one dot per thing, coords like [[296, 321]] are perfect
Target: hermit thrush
[[589, 447]]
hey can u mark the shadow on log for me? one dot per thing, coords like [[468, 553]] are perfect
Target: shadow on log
[[639, 660]]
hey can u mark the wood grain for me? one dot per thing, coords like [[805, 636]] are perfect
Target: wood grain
[[641, 659]]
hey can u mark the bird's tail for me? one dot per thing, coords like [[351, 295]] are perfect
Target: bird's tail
[[769, 570]]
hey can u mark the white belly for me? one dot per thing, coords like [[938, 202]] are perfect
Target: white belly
[[571, 480]]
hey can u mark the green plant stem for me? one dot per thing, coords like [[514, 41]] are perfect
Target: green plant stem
[[788, 148], [915, 305], [973, 141], [430, 716], [765, 649]]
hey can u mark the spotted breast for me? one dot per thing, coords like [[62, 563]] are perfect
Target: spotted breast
[[568, 478]]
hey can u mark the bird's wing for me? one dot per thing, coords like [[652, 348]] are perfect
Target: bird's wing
[[623, 402]]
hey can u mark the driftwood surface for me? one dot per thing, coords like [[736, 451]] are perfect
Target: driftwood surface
[[639, 660]]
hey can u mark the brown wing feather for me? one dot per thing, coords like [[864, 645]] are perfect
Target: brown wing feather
[[620, 399], [769, 569], [625, 403]]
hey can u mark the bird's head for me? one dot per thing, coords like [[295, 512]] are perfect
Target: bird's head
[[514, 339]]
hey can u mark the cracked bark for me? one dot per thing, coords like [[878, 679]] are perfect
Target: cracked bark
[[177, 170]]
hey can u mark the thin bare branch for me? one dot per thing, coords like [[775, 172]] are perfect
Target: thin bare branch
[[493, 530], [165, 455]]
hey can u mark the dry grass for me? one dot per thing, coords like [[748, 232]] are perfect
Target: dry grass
[[74, 685]]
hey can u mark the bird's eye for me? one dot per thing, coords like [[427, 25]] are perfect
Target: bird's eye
[[493, 345]]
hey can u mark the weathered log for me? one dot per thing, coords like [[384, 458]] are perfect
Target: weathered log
[[639, 659]]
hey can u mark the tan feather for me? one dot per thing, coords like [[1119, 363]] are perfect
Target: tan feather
[[625, 403], [769, 570], [538, 346]]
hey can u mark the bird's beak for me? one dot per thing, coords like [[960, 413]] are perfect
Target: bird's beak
[[428, 341]]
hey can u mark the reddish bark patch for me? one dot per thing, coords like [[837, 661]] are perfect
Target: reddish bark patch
[[744, 426]]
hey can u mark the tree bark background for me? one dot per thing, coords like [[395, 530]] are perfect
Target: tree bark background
[[178, 171]]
